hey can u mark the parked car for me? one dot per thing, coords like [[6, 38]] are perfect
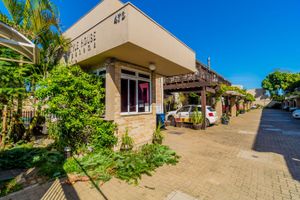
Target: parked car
[[184, 114], [296, 114], [254, 106], [292, 109]]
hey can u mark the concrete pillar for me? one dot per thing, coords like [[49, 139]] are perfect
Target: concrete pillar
[[298, 102], [111, 90], [233, 106], [219, 109]]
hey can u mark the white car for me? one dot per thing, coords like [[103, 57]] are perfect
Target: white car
[[292, 109], [186, 112], [296, 114]]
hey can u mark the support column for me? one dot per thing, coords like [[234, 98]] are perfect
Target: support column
[[111, 91], [219, 109], [203, 106], [233, 106], [298, 102]]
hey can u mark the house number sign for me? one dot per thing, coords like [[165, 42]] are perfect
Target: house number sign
[[119, 17]]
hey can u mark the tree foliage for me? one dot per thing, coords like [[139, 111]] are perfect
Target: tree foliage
[[76, 99], [278, 83], [224, 88]]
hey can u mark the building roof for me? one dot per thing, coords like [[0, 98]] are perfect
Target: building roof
[[122, 31]]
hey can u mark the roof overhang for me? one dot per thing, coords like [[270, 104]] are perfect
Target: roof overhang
[[233, 93], [292, 97], [11, 38], [129, 35]]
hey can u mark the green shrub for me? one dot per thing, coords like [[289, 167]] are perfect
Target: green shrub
[[76, 99], [157, 135], [130, 166], [125, 165], [25, 156], [127, 142], [9, 186], [197, 117]]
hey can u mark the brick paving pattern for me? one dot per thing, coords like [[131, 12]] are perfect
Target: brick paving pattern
[[256, 157]]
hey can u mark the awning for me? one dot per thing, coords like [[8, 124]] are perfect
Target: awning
[[11, 38]]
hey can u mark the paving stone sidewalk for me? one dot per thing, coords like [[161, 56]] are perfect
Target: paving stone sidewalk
[[247, 160]]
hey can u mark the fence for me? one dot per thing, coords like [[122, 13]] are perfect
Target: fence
[[27, 117]]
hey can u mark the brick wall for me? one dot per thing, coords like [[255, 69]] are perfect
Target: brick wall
[[140, 126]]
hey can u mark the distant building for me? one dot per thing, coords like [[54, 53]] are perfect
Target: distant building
[[260, 95]]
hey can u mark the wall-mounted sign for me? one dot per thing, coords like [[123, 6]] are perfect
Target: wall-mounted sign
[[82, 45], [119, 17]]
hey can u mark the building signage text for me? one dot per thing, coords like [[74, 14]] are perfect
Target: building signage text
[[82, 45]]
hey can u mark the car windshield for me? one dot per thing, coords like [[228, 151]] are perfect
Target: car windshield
[[199, 109]]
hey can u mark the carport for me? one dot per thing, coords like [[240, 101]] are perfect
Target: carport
[[202, 82]]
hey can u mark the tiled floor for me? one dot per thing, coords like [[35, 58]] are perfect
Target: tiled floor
[[245, 160]]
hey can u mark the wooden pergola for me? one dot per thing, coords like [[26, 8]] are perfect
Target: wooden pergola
[[202, 81], [13, 39]]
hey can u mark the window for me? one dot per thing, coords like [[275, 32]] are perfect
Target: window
[[184, 109], [135, 92], [194, 108], [144, 96]]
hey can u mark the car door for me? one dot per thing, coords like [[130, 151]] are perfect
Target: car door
[[183, 114]]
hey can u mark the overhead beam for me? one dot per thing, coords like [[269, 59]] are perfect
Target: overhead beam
[[11, 38], [15, 60]]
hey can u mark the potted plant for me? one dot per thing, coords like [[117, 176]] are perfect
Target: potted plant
[[197, 119], [225, 119], [157, 135], [127, 142]]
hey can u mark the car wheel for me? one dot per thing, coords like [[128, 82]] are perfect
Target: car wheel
[[172, 121], [207, 123]]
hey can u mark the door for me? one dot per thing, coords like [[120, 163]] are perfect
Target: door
[[183, 114]]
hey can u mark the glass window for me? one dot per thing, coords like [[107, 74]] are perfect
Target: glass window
[[210, 109], [144, 96], [135, 92], [132, 95], [144, 76], [194, 108], [184, 109], [127, 72], [124, 95]]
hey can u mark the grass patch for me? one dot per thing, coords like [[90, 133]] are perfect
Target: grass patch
[[9, 186], [26, 156]]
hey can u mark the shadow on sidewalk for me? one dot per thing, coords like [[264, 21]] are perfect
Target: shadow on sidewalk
[[279, 133]]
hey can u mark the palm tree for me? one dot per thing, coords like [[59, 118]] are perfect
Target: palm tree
[[39, 21]]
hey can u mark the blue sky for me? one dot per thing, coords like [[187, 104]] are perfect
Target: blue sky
[[246, 39]]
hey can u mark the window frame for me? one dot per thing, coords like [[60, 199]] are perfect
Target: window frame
[[136, 78]]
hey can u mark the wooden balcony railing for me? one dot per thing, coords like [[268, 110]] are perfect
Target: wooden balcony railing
[[203, 75]]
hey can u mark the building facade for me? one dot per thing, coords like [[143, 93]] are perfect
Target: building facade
[[132, 53], [261, 98]]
